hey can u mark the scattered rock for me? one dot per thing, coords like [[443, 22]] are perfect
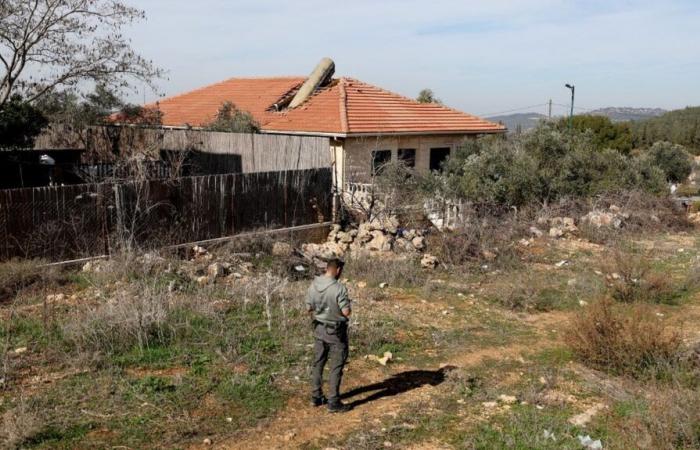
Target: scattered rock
[[525, 242], [488, 255], [418, 242], [384, 360], [582, 419], [203, 280], [215, 271], [383, 285], [282, 249], [489, 405], [206, 441], [507, 399], [536, 232], [555, 232], [289, 436], [429, 261], [20, 350]]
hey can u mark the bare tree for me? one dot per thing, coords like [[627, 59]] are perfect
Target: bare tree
[[45, 44]]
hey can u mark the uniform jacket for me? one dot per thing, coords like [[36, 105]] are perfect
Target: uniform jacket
[[327, 297]]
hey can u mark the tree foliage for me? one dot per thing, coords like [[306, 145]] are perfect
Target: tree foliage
[[672, 159], [606, 133], [48, 44], [545, 165], [94, 108], [427, 96], [232, 120], [678, 127], [20, 123]]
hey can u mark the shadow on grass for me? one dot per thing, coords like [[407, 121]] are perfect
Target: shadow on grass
[[398, 384]]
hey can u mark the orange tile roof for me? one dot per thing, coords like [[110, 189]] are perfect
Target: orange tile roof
[[345, 107]]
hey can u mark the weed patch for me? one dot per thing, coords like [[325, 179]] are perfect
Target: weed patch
[[628, 341]]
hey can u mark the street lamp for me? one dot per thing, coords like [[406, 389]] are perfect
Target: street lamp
[[573, 91]]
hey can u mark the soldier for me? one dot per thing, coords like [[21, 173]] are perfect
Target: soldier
[[327, 301]]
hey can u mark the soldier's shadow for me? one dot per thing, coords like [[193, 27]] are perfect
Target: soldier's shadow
[[397, 384]]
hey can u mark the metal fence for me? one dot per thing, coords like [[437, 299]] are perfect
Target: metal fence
[[64, 222]]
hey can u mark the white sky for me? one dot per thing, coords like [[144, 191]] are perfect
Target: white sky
[[484, 56]]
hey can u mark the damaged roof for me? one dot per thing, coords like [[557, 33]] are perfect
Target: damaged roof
[[343, 107]]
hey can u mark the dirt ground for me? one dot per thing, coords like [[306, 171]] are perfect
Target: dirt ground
[[452, 329]]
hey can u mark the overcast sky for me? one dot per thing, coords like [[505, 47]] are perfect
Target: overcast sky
[[484, 57]]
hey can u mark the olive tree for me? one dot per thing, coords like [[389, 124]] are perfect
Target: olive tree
[[50, 44]]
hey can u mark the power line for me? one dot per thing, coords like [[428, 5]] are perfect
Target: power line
[[513, 110]]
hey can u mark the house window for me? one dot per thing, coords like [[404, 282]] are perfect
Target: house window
[[408, 156], [380, 158], [438, 156]]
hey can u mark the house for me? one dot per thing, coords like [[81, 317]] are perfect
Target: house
[[368, 126]]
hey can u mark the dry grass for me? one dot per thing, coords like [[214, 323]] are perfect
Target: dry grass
[[394, 272], [631, 278], [623, 340], [17, 425], [673, 420]]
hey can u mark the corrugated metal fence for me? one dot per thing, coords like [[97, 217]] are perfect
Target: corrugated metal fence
[[58, 223]]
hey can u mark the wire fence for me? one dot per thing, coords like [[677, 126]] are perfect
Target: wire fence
[[62, 222]]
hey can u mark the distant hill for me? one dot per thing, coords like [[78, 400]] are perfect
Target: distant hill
[[623, 114], [526, 121]]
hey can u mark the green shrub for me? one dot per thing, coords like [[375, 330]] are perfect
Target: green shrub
[[672, 159], [545, 165]]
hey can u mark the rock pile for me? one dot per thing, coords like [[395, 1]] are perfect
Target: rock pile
[[379, 237], [558, 227], [613, 217]]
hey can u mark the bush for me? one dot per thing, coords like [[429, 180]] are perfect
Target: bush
[[631, 278], [621, 340], [545, 165], [606, 133], [17, 274], [230, 119], [675, 162], [673, 419]]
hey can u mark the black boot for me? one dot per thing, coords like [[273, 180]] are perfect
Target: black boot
[[338, 407], [318, 401]]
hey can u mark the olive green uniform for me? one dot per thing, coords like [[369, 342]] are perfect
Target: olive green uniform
[[327, 298]]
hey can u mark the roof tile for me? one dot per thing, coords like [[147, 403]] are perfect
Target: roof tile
[[345, 107]]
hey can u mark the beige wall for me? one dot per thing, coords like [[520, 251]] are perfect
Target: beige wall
[[358, 152]]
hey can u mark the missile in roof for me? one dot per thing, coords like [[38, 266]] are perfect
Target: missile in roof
[[321, 75]]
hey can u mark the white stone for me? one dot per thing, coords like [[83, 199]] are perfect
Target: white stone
[[429, 261], [418, 242], [282, 249]]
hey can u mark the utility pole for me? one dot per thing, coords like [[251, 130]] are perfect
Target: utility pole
[[571, 116], [550, 109]]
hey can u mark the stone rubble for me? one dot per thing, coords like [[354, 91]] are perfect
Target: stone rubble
[[613, 217], [376, 237]]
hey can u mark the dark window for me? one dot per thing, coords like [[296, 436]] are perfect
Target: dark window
[[408, 156], [438, 156], [380, 158]]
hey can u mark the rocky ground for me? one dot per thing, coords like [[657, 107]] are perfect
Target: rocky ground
[[475, 357]]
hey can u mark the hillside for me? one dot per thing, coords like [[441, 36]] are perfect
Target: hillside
[[681, 126], [526, 121], [625, 114]]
